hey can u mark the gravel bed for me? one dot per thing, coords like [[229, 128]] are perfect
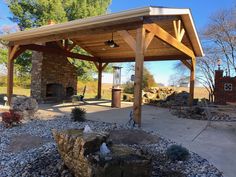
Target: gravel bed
[[44, 161]]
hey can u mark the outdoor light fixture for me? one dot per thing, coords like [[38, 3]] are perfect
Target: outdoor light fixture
[[111, 43], [219, 63], [116, 76]]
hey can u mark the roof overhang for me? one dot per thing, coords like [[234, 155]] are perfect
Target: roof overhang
[[113, 18]]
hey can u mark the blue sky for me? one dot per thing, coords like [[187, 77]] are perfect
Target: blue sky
[[201, 11]]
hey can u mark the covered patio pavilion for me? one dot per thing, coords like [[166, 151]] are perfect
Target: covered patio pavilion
[[144, 34]]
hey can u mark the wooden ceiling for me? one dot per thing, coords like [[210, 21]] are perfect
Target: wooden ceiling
[[157, 50]]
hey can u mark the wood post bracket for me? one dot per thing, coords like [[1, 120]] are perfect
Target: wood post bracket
[[12, 52], [65, 44], [129, 39], [102, 67]]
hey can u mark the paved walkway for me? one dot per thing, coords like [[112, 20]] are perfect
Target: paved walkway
[[217, 142]]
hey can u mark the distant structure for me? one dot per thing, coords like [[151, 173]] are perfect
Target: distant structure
[[225, 88], [184, 84]]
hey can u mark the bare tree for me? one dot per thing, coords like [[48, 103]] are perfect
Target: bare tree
[[220, 35], [206, 71], [219, 42]]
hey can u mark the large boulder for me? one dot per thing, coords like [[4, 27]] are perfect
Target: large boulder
[[25, 106], [80, 153]]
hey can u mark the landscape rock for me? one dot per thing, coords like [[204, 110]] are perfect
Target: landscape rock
[[152, 95], [81, 155], [43, 159], [25, 106], [181, 98]]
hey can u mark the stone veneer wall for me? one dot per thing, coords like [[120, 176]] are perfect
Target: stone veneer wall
[[51, 69], [36, 75]]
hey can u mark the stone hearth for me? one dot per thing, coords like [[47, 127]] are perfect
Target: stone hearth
[[53, 77]]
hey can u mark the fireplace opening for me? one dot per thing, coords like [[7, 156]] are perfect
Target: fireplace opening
[[54, 90], [69, 91]]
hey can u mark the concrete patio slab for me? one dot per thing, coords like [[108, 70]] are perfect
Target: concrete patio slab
[[216, 142]]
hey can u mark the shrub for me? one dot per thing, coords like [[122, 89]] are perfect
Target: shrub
[[125, 97], [177, 152], [78, 114], [11, 118], [3, 81], [128, 87]]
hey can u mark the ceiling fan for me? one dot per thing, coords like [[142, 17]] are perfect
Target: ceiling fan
[[111, 43]]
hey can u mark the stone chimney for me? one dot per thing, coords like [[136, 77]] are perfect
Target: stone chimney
[[53, 77]]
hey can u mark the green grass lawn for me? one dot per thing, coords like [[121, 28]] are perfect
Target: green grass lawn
[[16, 90], [91, 91]]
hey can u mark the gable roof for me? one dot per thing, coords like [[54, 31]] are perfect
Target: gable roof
[[113, 18]]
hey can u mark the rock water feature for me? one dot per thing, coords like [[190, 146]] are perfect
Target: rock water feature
[[93, 154]]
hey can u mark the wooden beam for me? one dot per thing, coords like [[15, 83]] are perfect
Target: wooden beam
[[179, 26], [175, 29], [169, 39], [179, 32], [139, 59], [100, 67], [148, 40], [48, 49], [13, 51], [70, 47], [104, 66], [147, 58], [96, 64], [192, 81], [181, 35], [186, 63], [60, 44], [66, 45], [10, 68], [84, 47], [99, 94], [128, 39], [18, 52]]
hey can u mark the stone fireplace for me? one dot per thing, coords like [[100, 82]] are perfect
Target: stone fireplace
[[53, 77]]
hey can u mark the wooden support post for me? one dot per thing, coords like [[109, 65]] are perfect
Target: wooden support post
[[10, 67], [139, 59], [192, 80], [99, 94], [100, 67]]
